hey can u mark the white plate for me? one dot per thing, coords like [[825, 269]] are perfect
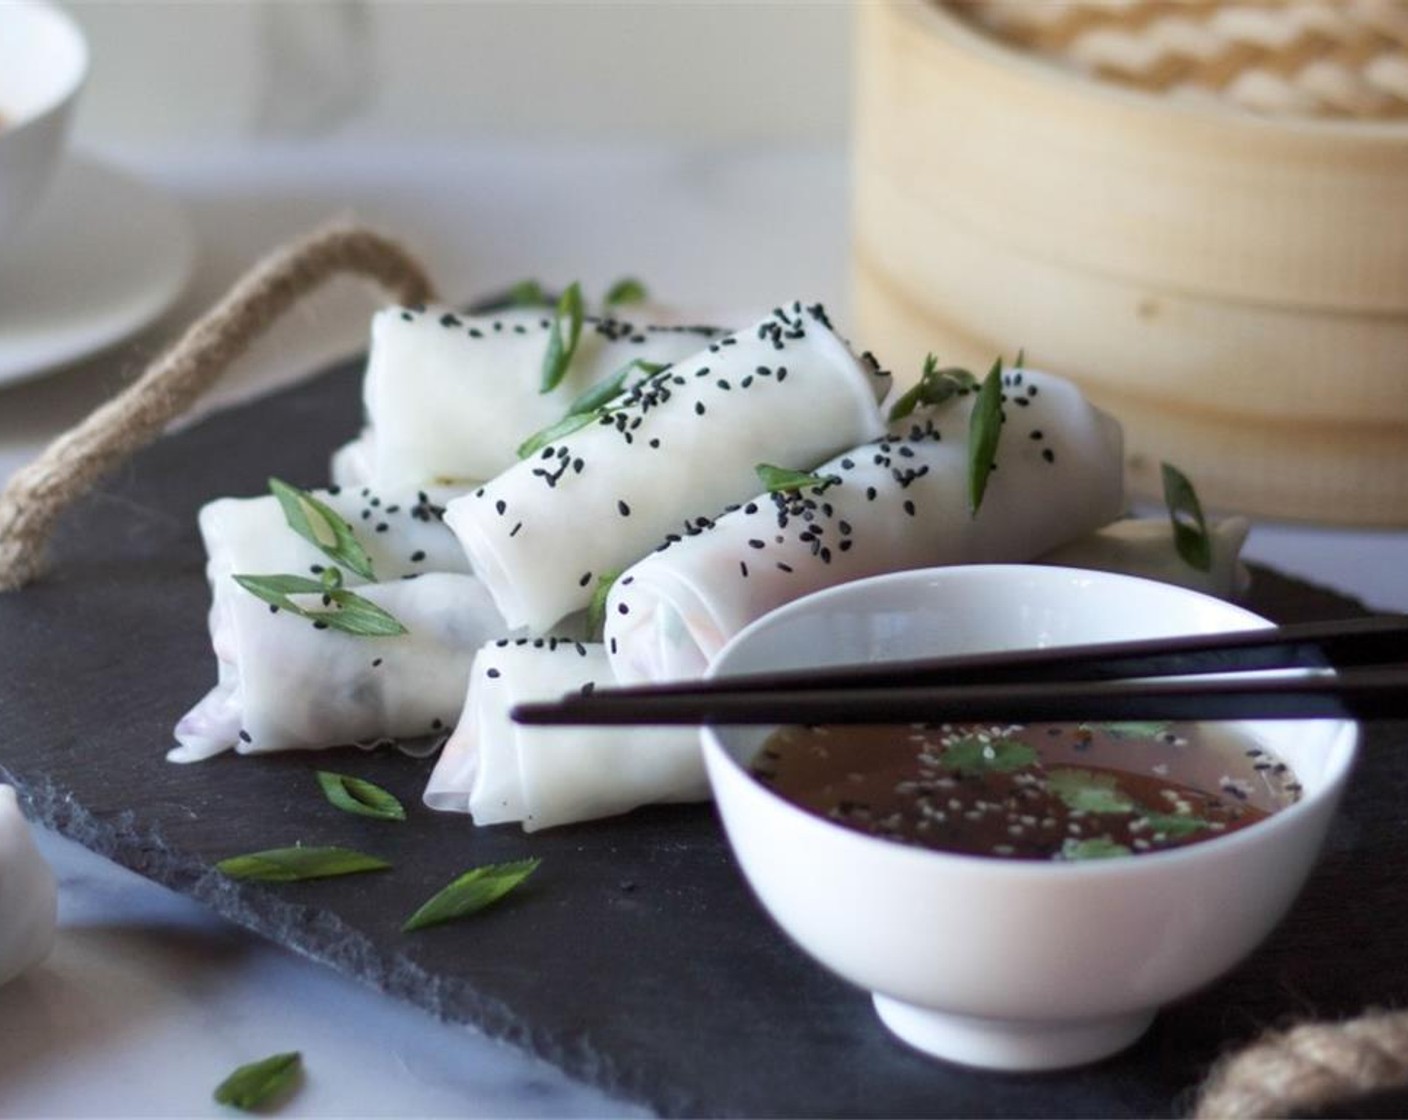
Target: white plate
[[103, 258]]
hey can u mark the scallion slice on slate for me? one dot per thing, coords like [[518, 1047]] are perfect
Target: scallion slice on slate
[[258, 1084], [359, 796], [292, 865], [476, 889]]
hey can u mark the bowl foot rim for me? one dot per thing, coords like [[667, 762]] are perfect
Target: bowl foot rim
[[1011, 1044]]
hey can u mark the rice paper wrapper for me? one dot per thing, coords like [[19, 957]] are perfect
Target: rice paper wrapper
[[1145, 547], [680, 444], [449, 397], [351, 464], [28, 897], [501, 772], [402, 533], [285, 684], [900, 502]]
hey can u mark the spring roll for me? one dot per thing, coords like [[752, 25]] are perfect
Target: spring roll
[[286, 683], [28, 898], [501, 772], [249, 536], [682, 442], [449, 396], [900, 502], [1145, 547]]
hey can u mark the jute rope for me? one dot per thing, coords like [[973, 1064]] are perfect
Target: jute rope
[[1308, 1067], [1341, 59], [69, 467]]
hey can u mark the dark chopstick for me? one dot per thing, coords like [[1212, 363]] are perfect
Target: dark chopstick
[[1356, 694], [1090, 683], [1313, 645]]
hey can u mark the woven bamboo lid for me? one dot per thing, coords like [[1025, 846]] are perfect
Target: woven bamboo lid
[[1346, 60], [1225, 271]]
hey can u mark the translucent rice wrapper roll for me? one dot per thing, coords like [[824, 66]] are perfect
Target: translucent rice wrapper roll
[[900, 502], [680, 443], [450, 396], [28, 896], [286, 684], [402, 536], [501, 772]]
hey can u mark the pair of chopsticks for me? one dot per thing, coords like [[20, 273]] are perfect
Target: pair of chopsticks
[[1109, 681]]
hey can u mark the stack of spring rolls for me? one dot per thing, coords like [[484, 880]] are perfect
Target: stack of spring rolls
[[488, 546]]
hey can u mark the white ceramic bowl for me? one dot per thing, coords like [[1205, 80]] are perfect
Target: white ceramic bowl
[[43, 65], [1012, 965]]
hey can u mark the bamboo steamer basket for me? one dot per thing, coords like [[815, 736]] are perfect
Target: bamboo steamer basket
[[1232, 285]]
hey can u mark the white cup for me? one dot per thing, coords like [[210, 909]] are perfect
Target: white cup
[[43, 65]]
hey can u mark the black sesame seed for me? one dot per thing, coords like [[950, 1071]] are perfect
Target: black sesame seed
[[492, 674], [623, 509]]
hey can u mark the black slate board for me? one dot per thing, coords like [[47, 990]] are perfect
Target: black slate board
[[635, 959]]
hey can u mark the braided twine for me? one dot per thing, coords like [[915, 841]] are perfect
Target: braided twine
[[1308, 1068], [1334, 59], [39, 492]]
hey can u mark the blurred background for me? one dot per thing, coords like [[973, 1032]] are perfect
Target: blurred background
[[710, 70], [1198, 210]]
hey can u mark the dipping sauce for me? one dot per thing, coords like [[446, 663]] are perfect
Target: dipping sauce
[[1046, 791]]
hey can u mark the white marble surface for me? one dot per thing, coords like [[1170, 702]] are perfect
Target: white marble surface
[[148, 1001]]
